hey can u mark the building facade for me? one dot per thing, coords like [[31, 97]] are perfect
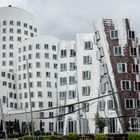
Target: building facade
[[58, 74], [119, 74]]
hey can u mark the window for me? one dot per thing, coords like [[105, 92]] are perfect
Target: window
[[25, 25], [50, 126], [63, 53], [137, 86], [37, 46], [11, 63], [24, 76], [131, 35], [18, 23], [30, 47], [63, 67], [133, 51], [4, 38], [110, 104], [72, 94], [26, 105], [47, 64], [49, 94], [37, 64], [46, 55], [11, 105], [50, 114], [135, 68], [122, 67], [46, 46], [4, 30], [4, 55], [30, 27], [126, 85], [63, 81], [87, 59], [11, 46], [50, 104], [11, 30], [4, 22], [32, 94], [54, 56], [86, 90], [41, 114], [33, 104], [72, 80], [11, 94], [40, 104], [3, 74], [72, 53], [70, 108], [88, 45], [37, 55], [48, 74], [117, 51], [19, 31], [85, 107], [55, 66], [38, 74], [48, 84], [114, 34], [138, 104], [39, 93], [25, 95], [3, 63], [62, 95], [4, 46], [38, 83], [11, 38], [129, 103], [11, 22], [101, 105], [54, 48], [4, 83], [86, 75], [72, 66], [11, 54], [29, 56], [61, 110]]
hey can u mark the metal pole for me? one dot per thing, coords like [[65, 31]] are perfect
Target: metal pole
[[27, 123], [32, 123], [4, 125]]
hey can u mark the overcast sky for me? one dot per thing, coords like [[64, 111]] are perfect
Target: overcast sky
[[63, 18]]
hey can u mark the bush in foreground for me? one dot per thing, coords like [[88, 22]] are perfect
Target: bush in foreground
[[100, 136]]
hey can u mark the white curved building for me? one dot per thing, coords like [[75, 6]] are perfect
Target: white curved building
[[41, 53], [16, 25]]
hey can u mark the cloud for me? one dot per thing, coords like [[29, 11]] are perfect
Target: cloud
[[63, 18]]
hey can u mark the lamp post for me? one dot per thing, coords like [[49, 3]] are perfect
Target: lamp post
[[32, 123], [4, 125]]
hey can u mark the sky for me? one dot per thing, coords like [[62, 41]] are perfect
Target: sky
[[65, 18]]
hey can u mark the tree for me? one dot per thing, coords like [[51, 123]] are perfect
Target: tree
[[100, 122]]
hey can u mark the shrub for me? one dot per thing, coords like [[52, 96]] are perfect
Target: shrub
[[72, 136], [44, 137], [27, 137], [19, 138], [134, 136], [100, 136]]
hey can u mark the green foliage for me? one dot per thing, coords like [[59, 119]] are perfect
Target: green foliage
[[19, 138], [27, 137], [100, 136], [72, 136], [134, 136], [44, 137], [100, 122]]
